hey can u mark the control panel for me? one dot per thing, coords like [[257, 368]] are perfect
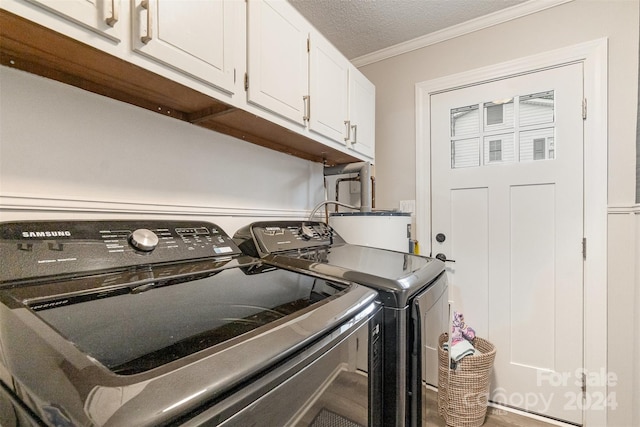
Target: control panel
[[45, 248], [282, 236]]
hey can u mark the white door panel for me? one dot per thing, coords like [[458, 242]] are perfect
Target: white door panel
[[507, 192], [328, 79], [278, 63], [182, 37], [469, 243], [197, 38], [102, 17], [362, 113]]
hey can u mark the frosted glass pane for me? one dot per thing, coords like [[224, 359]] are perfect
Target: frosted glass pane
[[537, 108], [465, 121], [465, 153], [499, 149], [537, 144]]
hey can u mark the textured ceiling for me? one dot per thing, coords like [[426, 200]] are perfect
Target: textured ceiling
[[360, 27]]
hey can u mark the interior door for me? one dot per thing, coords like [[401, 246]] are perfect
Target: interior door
[[507, 207]]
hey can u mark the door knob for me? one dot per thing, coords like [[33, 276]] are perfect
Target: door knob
[[440, 237], [442, 257]]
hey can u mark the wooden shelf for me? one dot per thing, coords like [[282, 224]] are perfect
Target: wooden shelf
[[30, 47]]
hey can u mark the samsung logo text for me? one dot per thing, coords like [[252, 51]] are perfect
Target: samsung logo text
[[40, 234]]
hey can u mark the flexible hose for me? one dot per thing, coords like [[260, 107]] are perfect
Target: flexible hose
[[326, 202]]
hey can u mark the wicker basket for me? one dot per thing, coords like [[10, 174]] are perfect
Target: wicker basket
[[463, 392]]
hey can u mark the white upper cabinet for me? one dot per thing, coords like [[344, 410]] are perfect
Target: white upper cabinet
[[328, 87], [277, 59], [342, 103], [195, 37], [191, 59], [362, 113], [99, 16]]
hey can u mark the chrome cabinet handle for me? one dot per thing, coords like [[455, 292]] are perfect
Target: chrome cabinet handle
[[146, 4], [111, 21], [307, 108], [347, 123], [355, 133]]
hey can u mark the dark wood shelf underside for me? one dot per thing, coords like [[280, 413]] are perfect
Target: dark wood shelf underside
[[30, 47]]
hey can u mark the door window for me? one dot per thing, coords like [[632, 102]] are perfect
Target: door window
[[528, 119], [537, 144], [498, 115], [498, 148]]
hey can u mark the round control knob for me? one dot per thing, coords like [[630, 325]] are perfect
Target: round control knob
[[144, 240]]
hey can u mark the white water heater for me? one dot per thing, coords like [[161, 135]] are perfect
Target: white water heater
[[377, 229]]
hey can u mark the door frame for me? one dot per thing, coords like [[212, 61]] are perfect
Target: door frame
[[593, 56]]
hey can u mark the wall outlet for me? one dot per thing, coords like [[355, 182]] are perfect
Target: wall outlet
[[408, 206]]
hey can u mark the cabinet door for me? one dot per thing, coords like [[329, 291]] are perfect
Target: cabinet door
[[193, 36], [99, 16], [278, 64], [362, 113], [328, 87]]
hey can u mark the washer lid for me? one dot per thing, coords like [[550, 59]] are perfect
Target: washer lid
[[397, 275], [131, 326], [125, 355]]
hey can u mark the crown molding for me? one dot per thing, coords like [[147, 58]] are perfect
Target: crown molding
[[499, 17]]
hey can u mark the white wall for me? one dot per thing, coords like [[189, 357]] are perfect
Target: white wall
[[65, 152], [624, 318], [561, 26]]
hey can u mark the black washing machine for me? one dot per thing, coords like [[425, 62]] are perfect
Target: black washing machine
[[154, 323], [413, 290]]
